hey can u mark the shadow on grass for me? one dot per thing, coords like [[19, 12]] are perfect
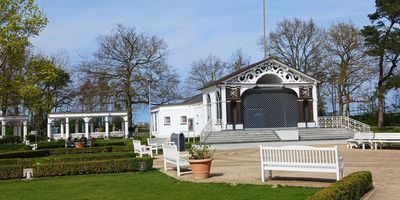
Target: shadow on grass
[[305, 179]]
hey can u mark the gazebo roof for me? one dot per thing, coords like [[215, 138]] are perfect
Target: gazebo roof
[[269, 65]]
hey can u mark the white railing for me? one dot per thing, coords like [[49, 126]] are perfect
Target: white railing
[[343, 122], [207, 130]]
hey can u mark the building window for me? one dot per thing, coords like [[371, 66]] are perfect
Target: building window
[[219, 107], [167, 120], [183, 120]]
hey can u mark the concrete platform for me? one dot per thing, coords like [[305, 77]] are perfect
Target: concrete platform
[[239, 163]]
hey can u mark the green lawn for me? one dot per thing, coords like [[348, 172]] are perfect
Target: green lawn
[[387, 129], [141, 186]]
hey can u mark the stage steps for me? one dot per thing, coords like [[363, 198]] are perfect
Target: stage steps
[[324, 133], [242, 136], [269, 135]]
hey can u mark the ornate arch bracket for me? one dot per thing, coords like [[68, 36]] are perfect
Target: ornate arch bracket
[[270, 67]]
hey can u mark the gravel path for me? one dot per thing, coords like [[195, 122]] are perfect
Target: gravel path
[[241, 165]]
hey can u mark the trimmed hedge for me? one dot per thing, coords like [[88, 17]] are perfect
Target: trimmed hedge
[[91, 167], [24, 162], [108, 143], [51, 145], [25, 154], [351, 187], [13, 147], [62, 151], [10, 139], [10, 171], [88, 157]]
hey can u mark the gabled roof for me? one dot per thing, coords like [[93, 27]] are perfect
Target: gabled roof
[[250, 67]]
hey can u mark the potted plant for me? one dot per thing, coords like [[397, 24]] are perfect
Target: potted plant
[[79, 143], [200, 158]]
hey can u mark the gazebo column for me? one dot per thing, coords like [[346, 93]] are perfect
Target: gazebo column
[[107, 127], [86, 119], [25, 130], [126, 131], [62, 129], [3, 128], [66, 128], [49, 129]]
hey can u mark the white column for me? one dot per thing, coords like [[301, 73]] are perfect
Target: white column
[[61, 129], [87, 119], [126, 131], [107, 127], [3, 128], [66, 128], [49, 129], [25, 130]]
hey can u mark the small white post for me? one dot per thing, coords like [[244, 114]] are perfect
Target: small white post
[[126, 131]]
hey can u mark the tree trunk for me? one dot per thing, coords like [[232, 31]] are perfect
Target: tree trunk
[[340, 97], [381, 94], [348, 104]]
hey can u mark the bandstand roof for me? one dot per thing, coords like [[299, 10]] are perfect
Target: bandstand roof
[[256, 70], [88, 114]]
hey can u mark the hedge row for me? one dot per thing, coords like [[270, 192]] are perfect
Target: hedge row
[[24, 162], [351, 187], [87, 157], [10, 139], [10, 171], [25, 154], [13, 147], [61, 144], [91, 167], [62, 151]]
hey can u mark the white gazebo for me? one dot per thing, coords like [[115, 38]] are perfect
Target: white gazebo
[[20, 124], [63, 131]]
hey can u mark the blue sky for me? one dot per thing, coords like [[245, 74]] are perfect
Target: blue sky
[[192, 29]]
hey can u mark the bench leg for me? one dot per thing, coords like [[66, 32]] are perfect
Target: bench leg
[[178, 169], [165, 165]]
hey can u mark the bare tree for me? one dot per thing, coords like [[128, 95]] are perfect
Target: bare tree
[[238, 60], [346, 64], [298, 44], [125, 57], [203, 71]]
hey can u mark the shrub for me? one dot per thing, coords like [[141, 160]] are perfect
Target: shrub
[[108, 143], [351, 187], [10, 171], [62, 151], [25, 154], [10, 139], [13, 147], [35, 138], [24, 162], [91, 167], [51, 145], [88, 157]]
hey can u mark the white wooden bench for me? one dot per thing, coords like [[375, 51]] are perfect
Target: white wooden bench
[[301, 158], [381, 138], [156, 143], [142, 149], [360, 139], [172, 156]]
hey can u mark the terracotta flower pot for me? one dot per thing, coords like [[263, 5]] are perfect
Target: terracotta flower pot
[[201, 168], [79, 145]]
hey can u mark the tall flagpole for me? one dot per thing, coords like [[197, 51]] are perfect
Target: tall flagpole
[[265, 34]]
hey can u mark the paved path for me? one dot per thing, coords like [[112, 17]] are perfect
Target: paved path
[[239, 163]]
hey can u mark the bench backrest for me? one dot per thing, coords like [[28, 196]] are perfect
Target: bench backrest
[[137, 146], [363, 136], [170, 152], [387, 136], [158, 141], [300, 154]]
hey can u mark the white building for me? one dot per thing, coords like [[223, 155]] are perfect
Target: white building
[[266, 94]]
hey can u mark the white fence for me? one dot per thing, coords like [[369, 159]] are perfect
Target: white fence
[[343, 122]]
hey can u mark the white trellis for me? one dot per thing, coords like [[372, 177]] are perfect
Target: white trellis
[[88, 126], [20, 125]]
